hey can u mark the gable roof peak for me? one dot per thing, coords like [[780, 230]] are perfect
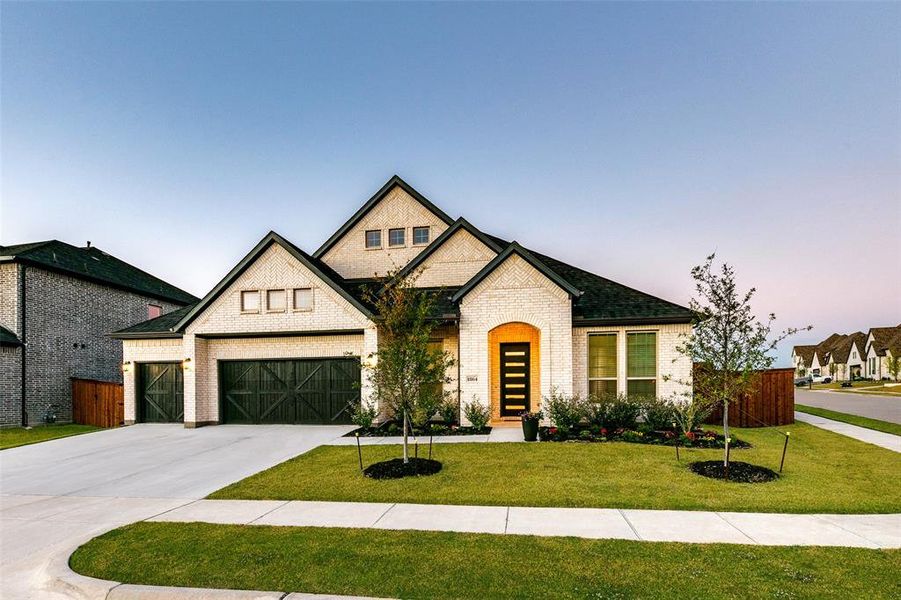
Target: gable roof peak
[[394, 181]]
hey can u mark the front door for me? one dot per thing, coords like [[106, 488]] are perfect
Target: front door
[[514, 378]]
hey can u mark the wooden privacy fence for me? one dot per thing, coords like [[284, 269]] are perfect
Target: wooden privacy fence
[[772, 403], [98, 403]]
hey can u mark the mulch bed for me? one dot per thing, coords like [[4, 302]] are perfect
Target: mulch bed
[[695, 439], [740, 472], [393, 429], [396, 468]]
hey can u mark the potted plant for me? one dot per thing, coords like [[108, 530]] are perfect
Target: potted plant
[[530, 422]]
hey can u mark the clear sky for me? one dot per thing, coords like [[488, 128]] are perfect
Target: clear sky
[[628, 139]]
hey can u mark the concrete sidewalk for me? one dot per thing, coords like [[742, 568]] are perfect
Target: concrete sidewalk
[[864, 531], [870, 436], [498, 434]]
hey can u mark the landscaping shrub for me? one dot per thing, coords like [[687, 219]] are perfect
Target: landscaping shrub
[[363, 415], [448, 412], [564, 411], [689, 414], [657, 414], [477, 414]]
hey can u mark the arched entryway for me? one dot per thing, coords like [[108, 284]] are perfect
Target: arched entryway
[[515, 367]]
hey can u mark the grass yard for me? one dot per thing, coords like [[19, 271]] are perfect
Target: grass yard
[[860, 387], [409, 564], [876, 424], [824, 472], [19, 436]]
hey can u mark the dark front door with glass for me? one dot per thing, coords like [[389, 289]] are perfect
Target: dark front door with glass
[[514, 378]]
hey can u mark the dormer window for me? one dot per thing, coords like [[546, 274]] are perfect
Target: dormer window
[[420, 236], [373, 239], [397, 237]]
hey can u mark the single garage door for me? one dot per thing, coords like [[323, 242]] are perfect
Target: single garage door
[[161, 393], [312, 391]]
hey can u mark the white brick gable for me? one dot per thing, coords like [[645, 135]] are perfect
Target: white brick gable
[[349, 256], [455, 262], [276, 268], [515, 292]]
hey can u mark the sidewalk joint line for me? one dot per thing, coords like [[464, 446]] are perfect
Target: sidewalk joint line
[[629, 523], [854, 533], [168, 510], [507, 520], [110, 591], [387, 510], [268, 512], [735, 527]]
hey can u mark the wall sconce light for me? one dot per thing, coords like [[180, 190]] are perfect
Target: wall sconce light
[[126, 366], [186, 364]]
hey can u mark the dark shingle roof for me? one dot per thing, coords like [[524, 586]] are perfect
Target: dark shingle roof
[[805, 352], [95, 265], [8, 338], [161, 325], [886, 338]]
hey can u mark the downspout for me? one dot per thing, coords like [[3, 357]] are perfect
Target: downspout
[[23, 339]]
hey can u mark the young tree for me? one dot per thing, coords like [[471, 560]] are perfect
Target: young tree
[[833, 370], [893, 363], [728, 341], [406, 373]]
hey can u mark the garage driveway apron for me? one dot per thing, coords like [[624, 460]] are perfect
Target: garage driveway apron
[[58, 494]]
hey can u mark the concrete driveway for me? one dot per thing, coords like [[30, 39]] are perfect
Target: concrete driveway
[[58, 494], [884, 408]]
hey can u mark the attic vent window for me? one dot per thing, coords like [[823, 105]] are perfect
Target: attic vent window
[[397, 237], [374, 238], [153, 311], [420, 236]]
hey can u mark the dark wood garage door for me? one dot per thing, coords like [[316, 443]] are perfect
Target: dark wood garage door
[[310, 391], [161, 393]]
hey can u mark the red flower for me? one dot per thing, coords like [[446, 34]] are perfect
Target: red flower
[[552, 430], [690, 435], [603, 431]]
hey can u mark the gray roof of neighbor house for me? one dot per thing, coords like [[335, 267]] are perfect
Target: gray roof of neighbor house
[[8, 338], [805, 352], [94, 265], [842, 349], [886, 338]]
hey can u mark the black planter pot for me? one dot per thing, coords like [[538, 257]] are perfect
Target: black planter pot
[[530, 429]]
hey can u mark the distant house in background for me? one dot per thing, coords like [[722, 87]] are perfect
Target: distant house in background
[[882, 343], [58, 303], [849, 356]]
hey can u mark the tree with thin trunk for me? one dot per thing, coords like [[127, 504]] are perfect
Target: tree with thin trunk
[[893, 363], [406, 373], [728, 342]]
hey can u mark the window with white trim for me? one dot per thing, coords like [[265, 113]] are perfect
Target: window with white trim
[[602, 364], [250, 301], [303, 299], [641, 363]]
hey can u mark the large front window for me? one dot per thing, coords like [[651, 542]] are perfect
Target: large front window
[[602, 364], [641, 363]]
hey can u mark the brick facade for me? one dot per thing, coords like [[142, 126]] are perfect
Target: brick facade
[[454, 263], [67, 325]]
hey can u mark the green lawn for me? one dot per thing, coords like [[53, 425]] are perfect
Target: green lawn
[[824, 472], [860, 387], [409, 564], [19, 436], [876, 424]]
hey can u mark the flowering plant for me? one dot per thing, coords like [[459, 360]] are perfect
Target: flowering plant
[[531, 416]]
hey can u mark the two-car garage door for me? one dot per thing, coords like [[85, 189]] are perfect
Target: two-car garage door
[[289, 391]]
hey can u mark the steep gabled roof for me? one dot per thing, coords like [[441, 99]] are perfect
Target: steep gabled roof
[[515, 248], [842, 349], [805, 352], [319, 268], [439, 241], [94, 265], [379, 195], [885, 338], [8, 338]]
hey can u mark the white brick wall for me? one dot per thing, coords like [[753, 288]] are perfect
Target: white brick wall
[[455, 262], [349, 256], [137, 351], [515, 292], [669, 361]]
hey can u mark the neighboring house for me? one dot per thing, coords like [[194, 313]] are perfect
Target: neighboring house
[[58, 304], [281, 338], [883, 343], [849, 356]]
